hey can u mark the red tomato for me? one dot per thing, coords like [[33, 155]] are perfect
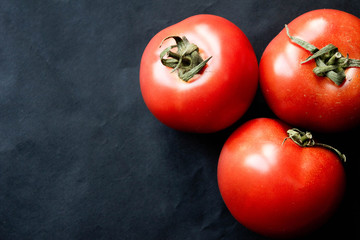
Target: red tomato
[[215, 97], [278, 188], [294, 92]]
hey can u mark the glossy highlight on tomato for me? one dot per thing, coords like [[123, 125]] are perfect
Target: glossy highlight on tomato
[[291, 88], [275, 187], [215, 97]]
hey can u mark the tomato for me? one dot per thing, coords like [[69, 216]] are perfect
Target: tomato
[[275, 187], [291, 88], [216, 96]]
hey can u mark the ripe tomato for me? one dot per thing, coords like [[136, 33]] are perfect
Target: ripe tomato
[[278, 188], [219, 94], [291, 88]]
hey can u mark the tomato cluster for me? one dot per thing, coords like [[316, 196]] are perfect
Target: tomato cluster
[[201, 74]]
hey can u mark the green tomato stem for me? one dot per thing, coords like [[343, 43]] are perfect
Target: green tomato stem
[[187, 60], [305, 139], [329, 61]]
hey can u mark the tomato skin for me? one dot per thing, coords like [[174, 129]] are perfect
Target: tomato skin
[[213, 99], [291, 89], [275, 189]]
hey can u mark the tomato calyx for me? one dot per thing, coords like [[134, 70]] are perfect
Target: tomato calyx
[[329, 61], [305, 139], [187, 60]]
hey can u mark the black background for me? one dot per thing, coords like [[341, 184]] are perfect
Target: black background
[[81, 157]]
